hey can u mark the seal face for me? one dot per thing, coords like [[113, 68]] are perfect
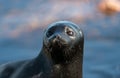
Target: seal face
[[62, 40], [60, 57]]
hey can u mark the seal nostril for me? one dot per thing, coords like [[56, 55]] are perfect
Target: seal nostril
[[57, 39], [57, 36]]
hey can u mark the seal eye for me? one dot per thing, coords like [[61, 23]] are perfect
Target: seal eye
[[49, 33], [69, 31]]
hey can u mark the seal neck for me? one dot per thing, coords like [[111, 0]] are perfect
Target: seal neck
[[72, 70]]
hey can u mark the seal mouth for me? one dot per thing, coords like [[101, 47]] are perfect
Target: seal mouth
[[59, 45]]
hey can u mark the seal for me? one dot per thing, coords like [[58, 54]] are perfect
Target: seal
[[61, 55]]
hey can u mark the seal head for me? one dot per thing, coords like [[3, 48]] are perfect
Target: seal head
[[63, 40]]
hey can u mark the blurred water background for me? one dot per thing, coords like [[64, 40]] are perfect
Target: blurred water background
[[22, 23]]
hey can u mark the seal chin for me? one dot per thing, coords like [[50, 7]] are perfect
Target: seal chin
[[59, 44]]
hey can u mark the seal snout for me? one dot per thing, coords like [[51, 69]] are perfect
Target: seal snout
[[57, 40]]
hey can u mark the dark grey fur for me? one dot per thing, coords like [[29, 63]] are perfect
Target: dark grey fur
[[61, 55]]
